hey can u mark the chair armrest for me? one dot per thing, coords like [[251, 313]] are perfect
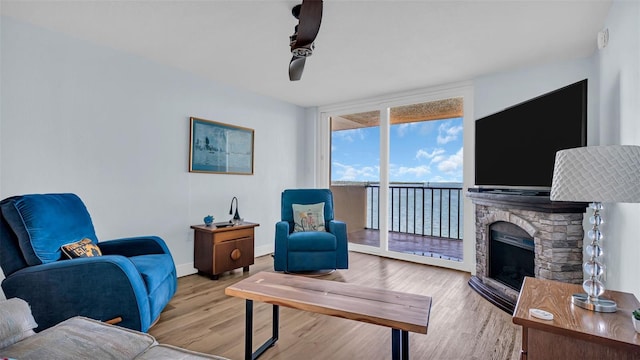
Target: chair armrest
[[101, 288], [135, 246], [280, 254], [339, 229]]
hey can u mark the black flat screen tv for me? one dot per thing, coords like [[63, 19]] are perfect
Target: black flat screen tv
[[515, 148]]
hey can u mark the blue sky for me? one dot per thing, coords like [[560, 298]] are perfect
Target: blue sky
[[428, 151]]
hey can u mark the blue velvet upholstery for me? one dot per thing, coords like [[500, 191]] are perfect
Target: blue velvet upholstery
[[134, 279], [311, 250]]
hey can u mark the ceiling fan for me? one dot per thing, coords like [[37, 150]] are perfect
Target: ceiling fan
[[309, 15]]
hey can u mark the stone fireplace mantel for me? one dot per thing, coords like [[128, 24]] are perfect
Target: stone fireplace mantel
[[556, 229], [539, 203]]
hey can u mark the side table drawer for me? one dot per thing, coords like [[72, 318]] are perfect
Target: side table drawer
[[232, 235], [232, 254]]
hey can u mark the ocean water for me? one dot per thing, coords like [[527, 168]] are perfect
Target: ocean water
[[433, 209]]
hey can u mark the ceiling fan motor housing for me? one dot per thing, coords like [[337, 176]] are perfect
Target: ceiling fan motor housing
[[304, 51]]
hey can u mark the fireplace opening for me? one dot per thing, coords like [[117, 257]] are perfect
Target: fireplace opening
[[511, 254]]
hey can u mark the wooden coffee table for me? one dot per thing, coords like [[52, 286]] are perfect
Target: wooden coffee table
[[401, 312]]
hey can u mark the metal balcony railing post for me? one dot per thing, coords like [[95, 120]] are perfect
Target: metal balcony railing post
[[414, 211], [431, 233], [406, 211], [440, 215], [449, 214], [422, 200]]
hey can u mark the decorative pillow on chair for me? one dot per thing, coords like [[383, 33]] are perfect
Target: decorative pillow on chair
[[82, 248], [308, 217]]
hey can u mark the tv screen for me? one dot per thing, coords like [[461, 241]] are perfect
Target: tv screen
[[516, 147]]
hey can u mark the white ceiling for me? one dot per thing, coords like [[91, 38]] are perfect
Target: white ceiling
[[364, 48]]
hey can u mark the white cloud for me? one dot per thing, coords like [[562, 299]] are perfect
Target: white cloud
[[407, 173], [416, 171], [452, 164], [421, 127], [402, 129], [427, 127], [422, 153], [344, 172], [448, 179], [349, 135], [448, 133]]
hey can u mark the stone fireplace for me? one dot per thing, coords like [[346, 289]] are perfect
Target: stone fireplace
[[520, 235]]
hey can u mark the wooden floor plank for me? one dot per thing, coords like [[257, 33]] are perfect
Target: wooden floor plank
[[462, 325]]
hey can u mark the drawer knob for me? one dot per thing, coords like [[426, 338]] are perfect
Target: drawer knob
[[235, 254]]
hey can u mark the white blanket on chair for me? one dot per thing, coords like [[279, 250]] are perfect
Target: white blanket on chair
[[16, 321]]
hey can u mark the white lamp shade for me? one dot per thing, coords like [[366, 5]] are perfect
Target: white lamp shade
[[597, 174]]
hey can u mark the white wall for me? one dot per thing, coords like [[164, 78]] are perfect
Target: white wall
[[496, 92], [114, 128], [613, 118], [619, 114]]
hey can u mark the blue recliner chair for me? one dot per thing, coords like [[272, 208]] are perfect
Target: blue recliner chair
[[134, 279], [305, 251]]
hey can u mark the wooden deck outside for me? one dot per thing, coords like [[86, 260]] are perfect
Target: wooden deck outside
[[431, 246]]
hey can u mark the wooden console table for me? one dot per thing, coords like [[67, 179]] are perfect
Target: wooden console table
[[574, 333], [220, 249]]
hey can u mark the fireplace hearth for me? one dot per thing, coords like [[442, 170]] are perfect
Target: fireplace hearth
[[522, 235]]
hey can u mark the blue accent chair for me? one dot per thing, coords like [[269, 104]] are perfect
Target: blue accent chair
[[134, 279], [311, 250]]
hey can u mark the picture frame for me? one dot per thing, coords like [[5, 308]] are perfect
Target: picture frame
[[219, 148]]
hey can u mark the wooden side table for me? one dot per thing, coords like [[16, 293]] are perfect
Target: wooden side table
[[574, 332], [220, 249]]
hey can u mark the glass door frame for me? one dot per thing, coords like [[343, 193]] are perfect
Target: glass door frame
[[384, 104]]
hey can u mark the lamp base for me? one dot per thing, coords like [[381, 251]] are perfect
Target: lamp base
[[599, 305]]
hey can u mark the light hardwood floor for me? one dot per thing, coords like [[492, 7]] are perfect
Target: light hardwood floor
[[462, 324]]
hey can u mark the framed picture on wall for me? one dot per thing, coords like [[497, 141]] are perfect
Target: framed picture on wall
[[220, 148]]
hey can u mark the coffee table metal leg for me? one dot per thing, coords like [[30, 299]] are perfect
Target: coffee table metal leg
[[248, 330], [405, 345], [248, 342], [275, 323], [399, 344]]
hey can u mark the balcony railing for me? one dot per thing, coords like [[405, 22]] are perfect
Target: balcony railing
[[418, 209]]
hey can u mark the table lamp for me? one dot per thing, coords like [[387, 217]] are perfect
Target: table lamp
[[596, 174], [236, 218]]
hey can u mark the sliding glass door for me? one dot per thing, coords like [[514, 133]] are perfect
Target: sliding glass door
[[397, 177], [425, 179], [355, 173]]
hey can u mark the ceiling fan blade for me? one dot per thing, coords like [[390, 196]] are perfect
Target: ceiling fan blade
[[295, 68], [308, 23]]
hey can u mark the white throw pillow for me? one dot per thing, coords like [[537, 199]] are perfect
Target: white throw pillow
[[308, 217]]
